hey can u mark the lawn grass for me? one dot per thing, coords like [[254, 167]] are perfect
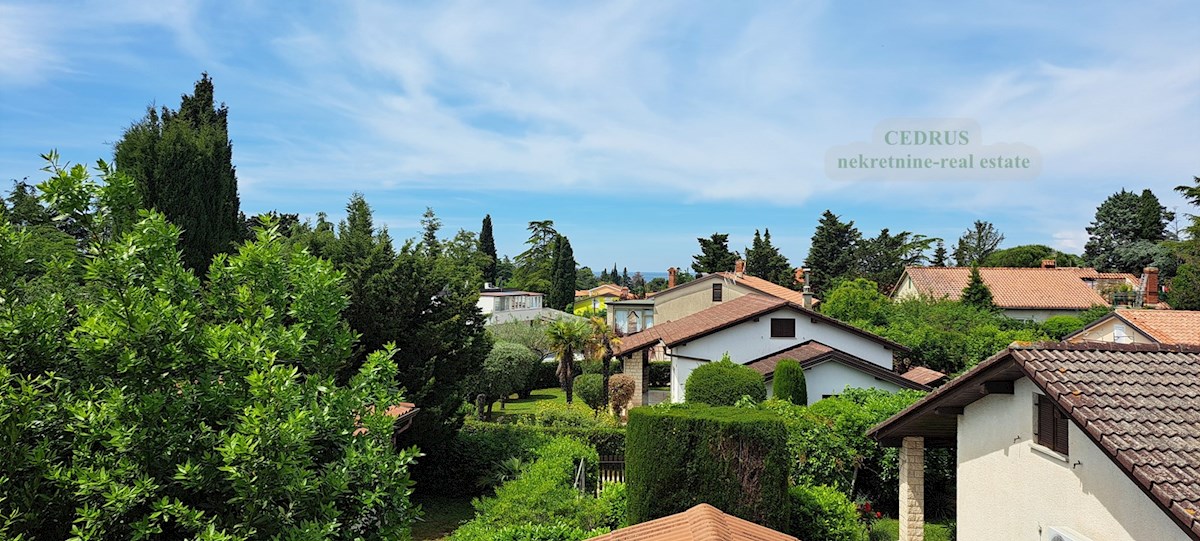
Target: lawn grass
[[526, 406], [440, 517], [890, 528]]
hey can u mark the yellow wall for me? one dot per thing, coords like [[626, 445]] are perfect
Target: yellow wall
[[583, 305], [1105, 332]]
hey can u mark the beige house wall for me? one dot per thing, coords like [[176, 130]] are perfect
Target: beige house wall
[[1009, 488], [694, 297], [1105, 332]]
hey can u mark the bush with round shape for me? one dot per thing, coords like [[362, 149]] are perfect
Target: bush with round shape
[[821, 512], [620, 390], [723, 383], [590, 388], [788, 382]]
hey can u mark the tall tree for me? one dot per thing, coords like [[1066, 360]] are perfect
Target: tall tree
[[977, 293], [765, 261], [833, 252], [604, 277], [1126, 231], [430, 225], [183, 163], [585, 278], [568, 336], [487, 245], [976, 244], [714, 254], [535, 266], [883, 258], [562, 279], [939, 255], [1029, 255], [1185, 285], [625, 281]]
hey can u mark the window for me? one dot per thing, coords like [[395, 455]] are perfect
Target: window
[[716, 292], [1051, 425], [783, 327], [1120, 336]]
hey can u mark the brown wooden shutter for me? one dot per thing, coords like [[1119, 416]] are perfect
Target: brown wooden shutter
[[1045, 425], [1060, 431]]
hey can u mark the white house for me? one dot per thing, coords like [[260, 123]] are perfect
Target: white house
[[1086, 442], [510, 305], [758, 330]]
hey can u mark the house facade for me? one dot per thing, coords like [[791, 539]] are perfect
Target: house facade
[[632, 316], [758, 330], [597, 298], [1142, 327], [1084, 441], [508, 306]]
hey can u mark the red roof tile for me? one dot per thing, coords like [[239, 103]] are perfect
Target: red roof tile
[[1013, 288], [700, 523], [812, 353], [923, 375], [1166, 326]]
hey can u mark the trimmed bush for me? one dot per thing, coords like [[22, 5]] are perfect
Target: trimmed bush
[[561, 415], [660, 373], [544, 491], [734, 459], [556, 531], [590, 389], [723, 383], [620, 391], [788, 382], [821, 512]]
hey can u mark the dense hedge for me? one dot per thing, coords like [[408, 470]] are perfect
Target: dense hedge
[[732, 458], [821, 512], [723, 383], [788, 382], [467, 465], [660, 373]]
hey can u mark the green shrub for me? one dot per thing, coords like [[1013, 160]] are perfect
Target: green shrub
[[545, 375], [823, 513], [734, 459], [614, 505], [1059, 326], [555, 531], [788, 382], [590, 389], [561, 415], [597, 367], [620, 391], [543, 492], [722, 383], [660, 373], [505, 371]]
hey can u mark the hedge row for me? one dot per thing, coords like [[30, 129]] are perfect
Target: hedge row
[[545, 375], [660, 373], [735, 459]]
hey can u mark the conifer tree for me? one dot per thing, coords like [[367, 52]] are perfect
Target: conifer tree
[[714, 254], [833, 253], [562, 281], [765, 261], [939, 255], [487, 245], [977, 293], [977, 243], [182, 162]]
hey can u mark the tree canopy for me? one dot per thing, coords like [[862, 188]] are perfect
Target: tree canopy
[[714, 255], [1125, 232], [833, 252], [765, 261], [976, 244]]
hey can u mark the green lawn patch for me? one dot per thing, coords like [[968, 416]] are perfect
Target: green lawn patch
[[440, 517], [526, 406], [889, 528]]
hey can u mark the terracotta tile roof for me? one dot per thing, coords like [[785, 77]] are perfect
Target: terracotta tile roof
[[923, 375], [1013, 288], [701, 323], [1165, 326], [401, 412], [1138, 403], [603, 290], [727, 314], [700, 523], [765, 286], [813, 353]]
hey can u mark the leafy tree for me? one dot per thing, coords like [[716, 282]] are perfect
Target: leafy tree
[[534, 268], [505, 371], [1058, 327], [182, 161], [1029, 256], [714, 254], [420, 301], [833, 252], [625, 280], [604, 277], [765, 261], [637, 284], [656, 284], [532, 335], [602, 344], [977, 293], [788, 382], [505, 270], [939, 255], [1126, 218], [563, 275], [487, 245], [1185, 288], [591, 389], [976, 244], [568, 336], [285, 222], [167, 408], [857, 300], [585, 278], [883, 258]]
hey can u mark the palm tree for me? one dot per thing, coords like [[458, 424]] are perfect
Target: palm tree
[[568, 336], [604, 339]]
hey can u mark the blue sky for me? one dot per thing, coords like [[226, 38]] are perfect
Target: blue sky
[[635, 126]]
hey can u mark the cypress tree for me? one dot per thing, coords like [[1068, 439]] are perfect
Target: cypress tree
[[625, 282], [562, 279], [765, 261], [182, 162], [788, 382], [614, 275], [977, 293], [487, 245], [833, 252]]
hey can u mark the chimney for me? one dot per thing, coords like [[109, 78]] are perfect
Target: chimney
[[739, 267], [1150, 295], [1048, 264], [808, 296], [671, 274]]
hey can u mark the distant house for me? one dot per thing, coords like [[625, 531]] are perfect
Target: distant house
[[700, 523], [510, 305], [1034, 293], [597, 298], [628, 317], [1142, 327], [758, 330], [1053, 441]]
